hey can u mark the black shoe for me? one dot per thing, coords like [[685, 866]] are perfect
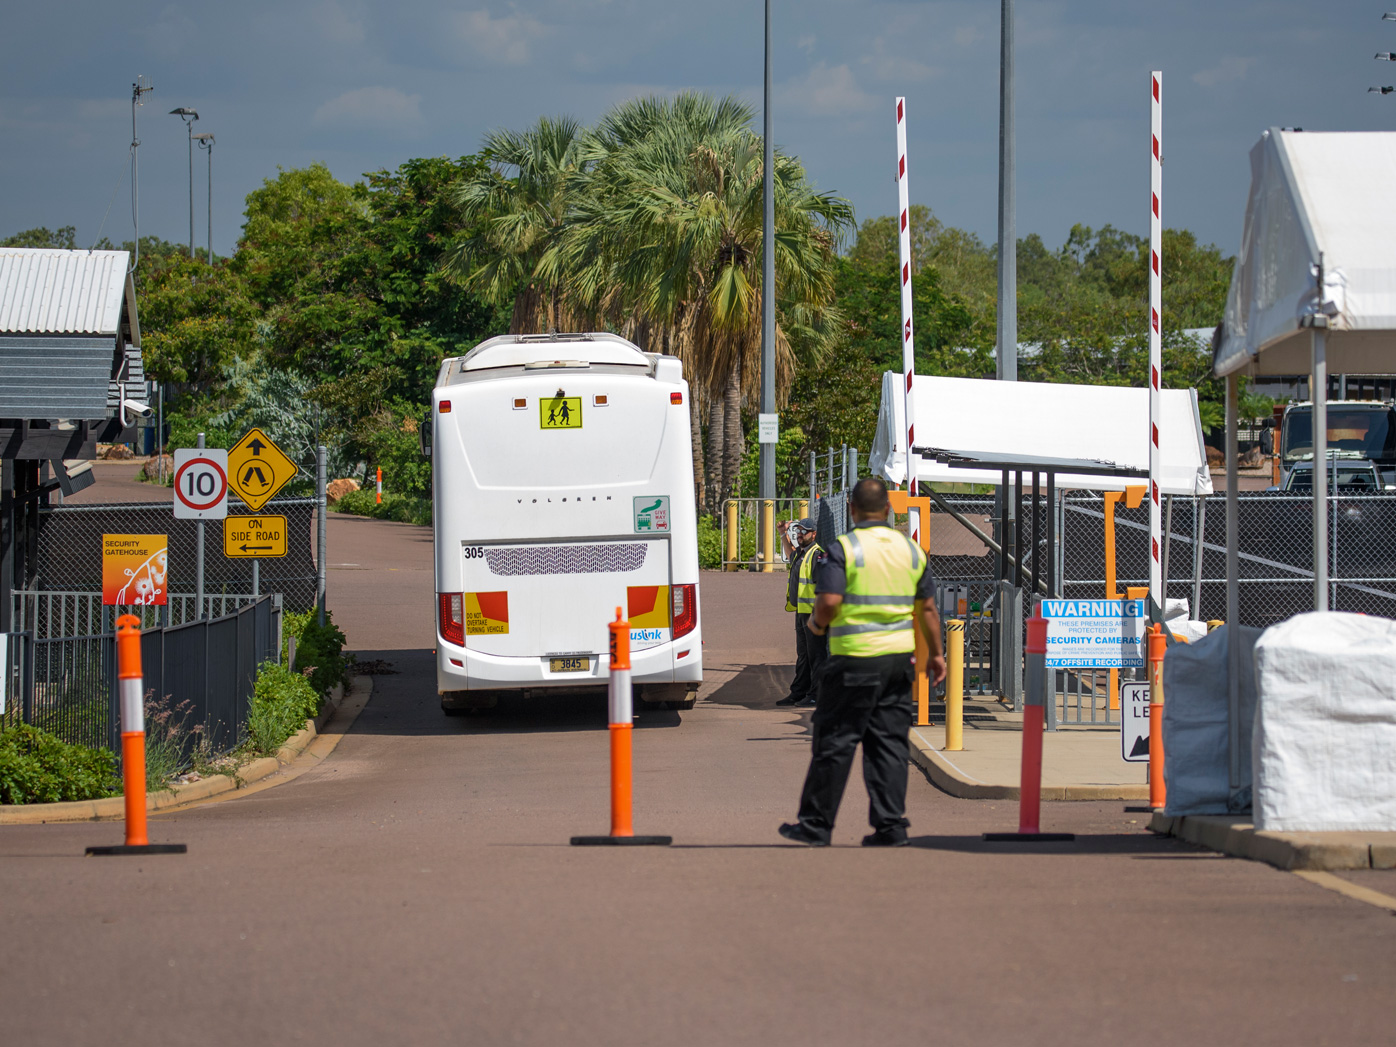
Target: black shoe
[[806, 703], [885, 840], [798, 833], [789, 699]]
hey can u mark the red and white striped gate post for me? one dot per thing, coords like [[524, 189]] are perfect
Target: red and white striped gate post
[[1157, 596], [908, 344], [130, 683]]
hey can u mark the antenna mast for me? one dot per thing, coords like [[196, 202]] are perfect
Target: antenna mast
[[141, 87]]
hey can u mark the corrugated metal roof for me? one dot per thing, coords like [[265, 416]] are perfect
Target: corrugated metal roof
[[61, 292]]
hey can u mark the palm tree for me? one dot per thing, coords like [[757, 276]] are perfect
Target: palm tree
[[521, 207], [668, 229]]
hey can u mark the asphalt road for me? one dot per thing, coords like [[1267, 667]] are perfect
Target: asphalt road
[[417, 888]]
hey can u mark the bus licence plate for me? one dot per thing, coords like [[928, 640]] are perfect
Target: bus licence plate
[[568, 665]]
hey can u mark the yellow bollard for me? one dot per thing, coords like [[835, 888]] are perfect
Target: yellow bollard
[[955, 685], [922, 685], [767, 551], [803, 506], [734, 535]]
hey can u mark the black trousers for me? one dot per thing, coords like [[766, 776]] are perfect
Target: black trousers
[[810, 653], [864, 700]]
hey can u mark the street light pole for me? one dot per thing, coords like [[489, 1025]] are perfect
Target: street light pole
[[767, 460], [1008, 208], [189, 116], [206, 141]]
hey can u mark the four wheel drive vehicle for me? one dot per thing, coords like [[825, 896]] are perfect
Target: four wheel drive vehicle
[[562, 485], [1344, 477], [1358, 430]]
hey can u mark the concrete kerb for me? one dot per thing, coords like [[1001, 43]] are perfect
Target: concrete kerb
[[945, 775], [182, 795], [1236, 836]]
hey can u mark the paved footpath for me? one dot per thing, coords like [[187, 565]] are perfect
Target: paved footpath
[[417, 888]]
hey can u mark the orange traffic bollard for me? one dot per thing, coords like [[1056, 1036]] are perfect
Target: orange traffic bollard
[[1158, 645], [621, 729], [1036, 681], [130, 684], [379, 499]]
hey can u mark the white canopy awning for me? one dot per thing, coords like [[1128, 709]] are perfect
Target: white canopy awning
[[1104, 422], [1311, 194]]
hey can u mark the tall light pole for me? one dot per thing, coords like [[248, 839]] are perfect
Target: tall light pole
[[205, 141], [189, 116], [767, 461], [1008, 207]]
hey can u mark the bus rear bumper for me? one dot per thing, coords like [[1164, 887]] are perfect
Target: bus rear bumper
[[459, 669]]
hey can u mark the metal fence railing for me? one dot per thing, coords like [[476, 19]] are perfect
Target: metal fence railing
[[55, 613], [748, 523], [202, 672], [68, 553]]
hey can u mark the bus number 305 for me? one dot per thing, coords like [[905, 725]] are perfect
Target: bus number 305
[[474, 552]]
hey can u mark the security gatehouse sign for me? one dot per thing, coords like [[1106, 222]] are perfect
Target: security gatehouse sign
[[200, 484], [652, 513], [254, 536], [1134, 722], [257, 469], [1095, 634]]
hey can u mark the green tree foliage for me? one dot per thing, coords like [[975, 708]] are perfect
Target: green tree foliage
[[63, 239], [196, 320]]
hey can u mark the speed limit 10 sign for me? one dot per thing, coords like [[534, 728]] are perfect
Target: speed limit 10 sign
[[200, 484]]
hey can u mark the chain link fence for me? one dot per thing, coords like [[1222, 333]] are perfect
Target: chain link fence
[[68, 556], [1275, 542]]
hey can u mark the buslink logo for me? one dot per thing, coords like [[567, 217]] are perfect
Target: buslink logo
[[646, 634]]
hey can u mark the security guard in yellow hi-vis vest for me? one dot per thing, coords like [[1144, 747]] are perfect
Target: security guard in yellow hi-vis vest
[[810, 650], [873, 591]]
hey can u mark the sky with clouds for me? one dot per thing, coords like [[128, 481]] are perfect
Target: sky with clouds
[[366, 85]]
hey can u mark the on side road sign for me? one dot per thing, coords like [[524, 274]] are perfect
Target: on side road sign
[[1134, 722], [257, 468], [254, 536], [200, 484]]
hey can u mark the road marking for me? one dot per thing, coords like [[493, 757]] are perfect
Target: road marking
[[1352, 890], [941, 753]]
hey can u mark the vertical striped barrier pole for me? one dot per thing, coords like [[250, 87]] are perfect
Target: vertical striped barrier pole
[[380, 485], [1158, 646], [621, 728], [908, 345], [130, 683], [1157, 597], [1035, 697], [955, 685]]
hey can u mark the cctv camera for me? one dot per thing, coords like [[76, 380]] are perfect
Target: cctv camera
[[136, 406]]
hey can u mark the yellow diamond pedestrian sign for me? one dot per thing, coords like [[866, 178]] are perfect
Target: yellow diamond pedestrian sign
[[257, 468]]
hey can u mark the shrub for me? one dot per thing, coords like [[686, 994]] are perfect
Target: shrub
[[709, 544], [319, 649], [281, 703], [37, 767], [402, 508]]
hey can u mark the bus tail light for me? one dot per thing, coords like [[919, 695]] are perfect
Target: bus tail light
[[452, 619], [676, 398], [685, 609]]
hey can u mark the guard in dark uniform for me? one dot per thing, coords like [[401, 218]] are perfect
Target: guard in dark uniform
[[874, 590], [810, 650]]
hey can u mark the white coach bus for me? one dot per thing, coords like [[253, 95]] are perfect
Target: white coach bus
[[563, 489]]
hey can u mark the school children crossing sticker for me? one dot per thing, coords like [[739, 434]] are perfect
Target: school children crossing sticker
[[560, 412]]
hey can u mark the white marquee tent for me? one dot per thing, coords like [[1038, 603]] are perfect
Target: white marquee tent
[[1102, 422], [1314, 289]]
